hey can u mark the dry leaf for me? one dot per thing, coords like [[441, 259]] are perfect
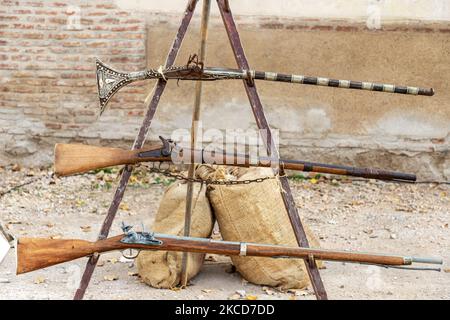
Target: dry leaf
[[268, 291], [235, 297], [298, 292], [241, 293], [133, 179], [80, 203], [113, 260], [86, 228], [447, 270], [133, 273], [39, 280], [56, 237], [100, 263], [124, 206], [49, 225], [206, 290], [111, 277]]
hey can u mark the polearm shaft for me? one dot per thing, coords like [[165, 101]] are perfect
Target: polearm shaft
[[328, 82], [194, 132], [37, 253], [110, 81]]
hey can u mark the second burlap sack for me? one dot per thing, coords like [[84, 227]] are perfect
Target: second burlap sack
[[256, 213], [162, 269]]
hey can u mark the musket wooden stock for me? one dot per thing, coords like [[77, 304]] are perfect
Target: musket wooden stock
[[37, 253], [77, 158]]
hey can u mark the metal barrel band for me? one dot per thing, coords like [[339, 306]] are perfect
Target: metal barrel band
[[243, 249]]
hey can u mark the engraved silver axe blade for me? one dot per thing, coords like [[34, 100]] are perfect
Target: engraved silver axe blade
[[109, 81]]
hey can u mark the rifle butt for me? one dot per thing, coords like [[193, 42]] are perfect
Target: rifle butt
[[37, 253], [79, 158]]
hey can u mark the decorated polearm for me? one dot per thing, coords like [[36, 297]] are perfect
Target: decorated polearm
[[110, 81], [79, 158], [38, 253]]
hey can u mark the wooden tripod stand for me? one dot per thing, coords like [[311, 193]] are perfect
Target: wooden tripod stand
[[261, 122]]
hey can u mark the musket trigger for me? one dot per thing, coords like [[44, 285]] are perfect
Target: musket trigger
[[132, 255]]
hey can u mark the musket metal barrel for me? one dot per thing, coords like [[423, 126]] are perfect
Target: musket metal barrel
[[192, 244], [305, 166]]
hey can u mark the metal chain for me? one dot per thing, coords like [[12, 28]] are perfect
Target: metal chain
[[180, 176]]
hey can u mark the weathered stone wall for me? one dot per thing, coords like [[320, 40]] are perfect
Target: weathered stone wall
[[48, 89]]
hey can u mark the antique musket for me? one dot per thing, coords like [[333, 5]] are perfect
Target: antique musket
[[79, 158], [109, 81], [37, 253]]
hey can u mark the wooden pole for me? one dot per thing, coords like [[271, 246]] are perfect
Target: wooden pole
[[194, 131]]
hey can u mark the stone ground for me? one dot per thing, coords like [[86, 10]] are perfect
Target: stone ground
[[357, 215]]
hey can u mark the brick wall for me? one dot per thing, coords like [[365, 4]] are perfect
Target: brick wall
[[47, 88]]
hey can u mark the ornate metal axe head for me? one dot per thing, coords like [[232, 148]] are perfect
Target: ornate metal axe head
[[109, 81]]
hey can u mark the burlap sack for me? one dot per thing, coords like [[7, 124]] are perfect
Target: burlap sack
[[162, 269], [256, 213]]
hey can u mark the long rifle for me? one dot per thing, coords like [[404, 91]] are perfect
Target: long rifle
[[37, 253], [109, 81], [78, 158]]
